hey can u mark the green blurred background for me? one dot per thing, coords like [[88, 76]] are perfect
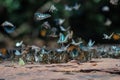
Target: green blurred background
[[86, 22]]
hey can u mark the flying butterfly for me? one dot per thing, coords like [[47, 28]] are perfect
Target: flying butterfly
[[108, 22], [105, 8], [59, 21], [19, 43], [8, 27], [114, 2], [76, 6], [52, 8], [46, 25], [67, 8], [116, 36], [40, 16]]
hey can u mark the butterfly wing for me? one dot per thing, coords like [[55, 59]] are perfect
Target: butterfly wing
[[40, 16], [8, 27]]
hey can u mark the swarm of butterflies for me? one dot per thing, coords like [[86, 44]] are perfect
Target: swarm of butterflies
[[70, 49]]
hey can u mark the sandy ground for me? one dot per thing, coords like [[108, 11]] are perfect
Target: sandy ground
[[97, 69]]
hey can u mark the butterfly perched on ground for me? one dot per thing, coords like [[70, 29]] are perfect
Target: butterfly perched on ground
[[108, 36], [8, 27], [91, 43], [41, 16], [76, 43], [63, 38], [116, 36], [17, 53]]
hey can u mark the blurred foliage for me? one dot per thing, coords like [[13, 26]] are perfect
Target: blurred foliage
[[88, 20]]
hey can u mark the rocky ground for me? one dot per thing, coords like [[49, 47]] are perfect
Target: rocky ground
[[96, 69]]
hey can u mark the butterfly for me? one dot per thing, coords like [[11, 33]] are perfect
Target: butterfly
[[8, 27], [105, 8], [19, 43], [90, 43], [76, 43], [63, 38], [116, 36], [59, 21], [40, 16], [107, 36], [35, 48], [52, 8], [43, 32], [17, 53], [3, 51], [114, 2], [21, 62], [44, 51], [67, 8], [76, 6], [70, 48], [108, 22], [62, 49], [46, 25]]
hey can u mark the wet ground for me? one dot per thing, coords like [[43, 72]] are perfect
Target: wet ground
[[97, 69]]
